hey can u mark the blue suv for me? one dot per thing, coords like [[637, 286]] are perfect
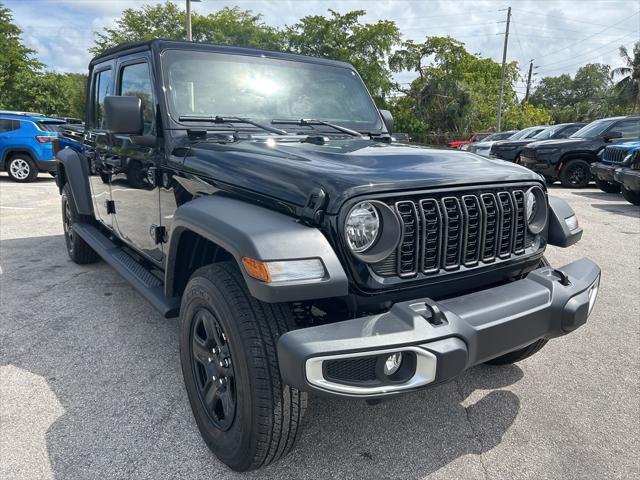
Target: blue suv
[[27, 145]]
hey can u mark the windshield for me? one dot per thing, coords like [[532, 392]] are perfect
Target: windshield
[[548, 132], [592, 130], [265, 89], [522, 133]]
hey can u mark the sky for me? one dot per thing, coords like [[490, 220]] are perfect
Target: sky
[[559, 35]]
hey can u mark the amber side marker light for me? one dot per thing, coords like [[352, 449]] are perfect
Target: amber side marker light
[[284, 270]]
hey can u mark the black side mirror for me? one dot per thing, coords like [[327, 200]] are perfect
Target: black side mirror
[[123, 115], [612, 134], [387, 118]]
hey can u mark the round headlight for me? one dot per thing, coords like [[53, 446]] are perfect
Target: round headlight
[[530, 206], [362, 227]]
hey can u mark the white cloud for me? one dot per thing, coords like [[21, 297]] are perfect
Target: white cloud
[[551, 32]]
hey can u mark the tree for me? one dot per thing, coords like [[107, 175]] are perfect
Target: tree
[[627, 90], [17, 62], [455, 91], [228, 26], [343, 37]]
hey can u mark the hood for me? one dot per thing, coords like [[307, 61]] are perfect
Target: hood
[[514, 143], [629, 146], [289, 171], [560, 142], [485, 144]]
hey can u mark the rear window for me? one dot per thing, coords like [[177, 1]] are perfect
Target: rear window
[[49, 126]]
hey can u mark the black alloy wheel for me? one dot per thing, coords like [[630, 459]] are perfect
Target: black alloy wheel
[[576, 174], [213, 369]]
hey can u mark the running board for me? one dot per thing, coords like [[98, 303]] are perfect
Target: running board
[[147, 284]]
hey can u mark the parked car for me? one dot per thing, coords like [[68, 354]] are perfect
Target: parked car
[[483, 148], [569, 160], [510, 150], [610, 159], [289, 248], [628, 176], [475, 137], [70, 136], [26, 145], [492, 138]]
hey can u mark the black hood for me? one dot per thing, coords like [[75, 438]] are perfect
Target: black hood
[[513, 143], [562, 143], [290, 170]]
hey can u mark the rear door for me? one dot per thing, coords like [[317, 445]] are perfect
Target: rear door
[[8, 128]]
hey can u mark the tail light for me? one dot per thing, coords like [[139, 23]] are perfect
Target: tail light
[[45, 138]]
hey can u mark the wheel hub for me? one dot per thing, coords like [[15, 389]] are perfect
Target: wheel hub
[[213, 369], [20, 168]]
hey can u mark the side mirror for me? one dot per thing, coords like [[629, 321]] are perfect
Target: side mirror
[[387, 118], [123, 115], [612, 134]]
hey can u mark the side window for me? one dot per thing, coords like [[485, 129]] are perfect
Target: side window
[[101, 88], [571, 130], [629, 128], [135, 81], [8, 125]]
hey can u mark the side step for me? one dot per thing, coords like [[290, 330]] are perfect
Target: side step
[[147, 284]]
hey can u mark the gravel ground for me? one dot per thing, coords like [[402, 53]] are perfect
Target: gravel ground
[[90, 382]]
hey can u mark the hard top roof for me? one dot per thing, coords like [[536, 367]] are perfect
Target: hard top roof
[[161, 44]]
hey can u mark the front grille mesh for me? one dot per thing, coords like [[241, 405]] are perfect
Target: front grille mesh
[[451, 231], [614, 155], [360, 369]]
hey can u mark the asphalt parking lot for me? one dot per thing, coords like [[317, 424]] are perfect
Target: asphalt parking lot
[[90, 381]]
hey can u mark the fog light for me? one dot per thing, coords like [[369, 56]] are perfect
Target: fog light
[[392, 363], [593, 293]]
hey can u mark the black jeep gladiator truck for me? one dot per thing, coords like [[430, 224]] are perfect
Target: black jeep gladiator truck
[[569, 160], [302, 249], [510, 150]]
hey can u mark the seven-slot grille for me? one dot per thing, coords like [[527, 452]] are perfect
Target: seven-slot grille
[[457, 230], [614, 155]]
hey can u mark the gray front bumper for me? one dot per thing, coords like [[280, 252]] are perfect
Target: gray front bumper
[[474, 328], [604, 171]]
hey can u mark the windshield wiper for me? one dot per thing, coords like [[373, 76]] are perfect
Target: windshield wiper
[[222, 119], [309, 122]]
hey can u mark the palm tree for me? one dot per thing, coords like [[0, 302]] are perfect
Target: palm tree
[[628, 88]]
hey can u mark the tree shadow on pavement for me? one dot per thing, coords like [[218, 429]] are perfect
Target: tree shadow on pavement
[[112, 363]]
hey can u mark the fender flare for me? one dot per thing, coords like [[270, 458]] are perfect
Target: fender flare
[[559, 233], [72, 168], [248, 230]]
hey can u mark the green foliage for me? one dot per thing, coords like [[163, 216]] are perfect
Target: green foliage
[[343, 37], [585, 97], [229, 26], [522, 115], [455, 90], [627, 90]]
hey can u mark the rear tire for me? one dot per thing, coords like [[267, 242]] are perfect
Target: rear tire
[[527, 351], [21, 168], [246, 415], [79, 251], [575, 174], [631, 196], [608, 187]]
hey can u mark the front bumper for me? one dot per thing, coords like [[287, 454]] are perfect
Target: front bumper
[[628, 177], [438, 339], [544, 168], [604, 171]]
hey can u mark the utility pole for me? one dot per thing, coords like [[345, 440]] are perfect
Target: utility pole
[[526, 95], [189, 37], [504, 61]]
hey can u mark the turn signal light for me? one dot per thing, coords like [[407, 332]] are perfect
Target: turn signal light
[[284, 270], [256, 269]]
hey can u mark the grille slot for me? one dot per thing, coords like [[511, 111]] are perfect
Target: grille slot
[[445, 233]]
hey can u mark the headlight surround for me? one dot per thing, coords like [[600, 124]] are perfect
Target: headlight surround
[[536, 210], [362, 227]]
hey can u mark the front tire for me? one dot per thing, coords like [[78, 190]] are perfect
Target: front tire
[[246, 415], [608, 187], [527, 351], [79, 251], [631, 196], [575, 174], [22, 168]]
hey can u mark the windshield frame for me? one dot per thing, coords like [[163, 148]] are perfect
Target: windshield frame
[[378, 125]]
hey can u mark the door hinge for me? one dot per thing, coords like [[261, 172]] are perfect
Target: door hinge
[[111, 207], [158, 233]]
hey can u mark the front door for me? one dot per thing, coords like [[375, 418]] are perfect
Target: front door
[[134, 160]]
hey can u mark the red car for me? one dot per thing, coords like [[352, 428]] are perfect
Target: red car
[[475, 137]]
